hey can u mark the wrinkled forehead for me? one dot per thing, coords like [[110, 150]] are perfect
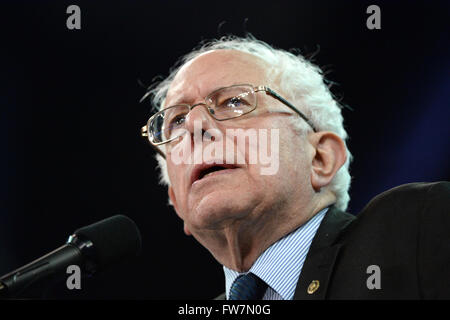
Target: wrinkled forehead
[[215, 69]]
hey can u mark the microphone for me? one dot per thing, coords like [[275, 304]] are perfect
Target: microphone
[[93, 248]]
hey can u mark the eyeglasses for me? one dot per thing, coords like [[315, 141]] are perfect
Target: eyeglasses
[[222, 104]]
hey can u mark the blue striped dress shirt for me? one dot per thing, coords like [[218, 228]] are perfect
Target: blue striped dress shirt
[[280, 265]]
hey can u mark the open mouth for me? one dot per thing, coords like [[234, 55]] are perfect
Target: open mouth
[[206, 171]]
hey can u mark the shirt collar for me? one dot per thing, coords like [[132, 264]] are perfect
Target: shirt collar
[[280, 265]]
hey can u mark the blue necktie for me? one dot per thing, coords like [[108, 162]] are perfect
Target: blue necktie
[[247, 287]]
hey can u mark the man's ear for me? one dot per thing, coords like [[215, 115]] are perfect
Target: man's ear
[[173, 200], [328, 157]]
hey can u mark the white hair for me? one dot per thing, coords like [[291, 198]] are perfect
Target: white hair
[[299, 78]]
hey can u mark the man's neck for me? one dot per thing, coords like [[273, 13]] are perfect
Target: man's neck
[[239, 244]]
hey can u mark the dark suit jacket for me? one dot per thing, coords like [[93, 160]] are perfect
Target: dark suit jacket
[[404, 231]]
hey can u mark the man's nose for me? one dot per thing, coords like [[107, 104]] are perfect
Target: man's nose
[[199, 119]]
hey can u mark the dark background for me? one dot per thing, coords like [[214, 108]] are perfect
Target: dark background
[[71, 153]]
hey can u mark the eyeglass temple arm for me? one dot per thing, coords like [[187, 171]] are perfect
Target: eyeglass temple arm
[[287, 103], [144, 133]]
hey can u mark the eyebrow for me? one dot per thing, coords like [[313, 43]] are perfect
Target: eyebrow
[[183, 100]]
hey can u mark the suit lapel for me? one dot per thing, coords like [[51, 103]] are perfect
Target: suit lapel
[[317, 269]]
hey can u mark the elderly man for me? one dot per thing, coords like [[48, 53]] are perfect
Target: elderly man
[[251, 145]]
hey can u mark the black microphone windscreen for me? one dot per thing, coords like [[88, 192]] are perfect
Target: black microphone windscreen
[[113, 239]]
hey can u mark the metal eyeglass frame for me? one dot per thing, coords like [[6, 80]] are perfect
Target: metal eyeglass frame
[[267, 90]]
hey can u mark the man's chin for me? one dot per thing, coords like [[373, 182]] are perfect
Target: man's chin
[[215, 210]]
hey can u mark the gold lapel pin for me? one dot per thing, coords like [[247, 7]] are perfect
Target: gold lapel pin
[[313, 286]]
